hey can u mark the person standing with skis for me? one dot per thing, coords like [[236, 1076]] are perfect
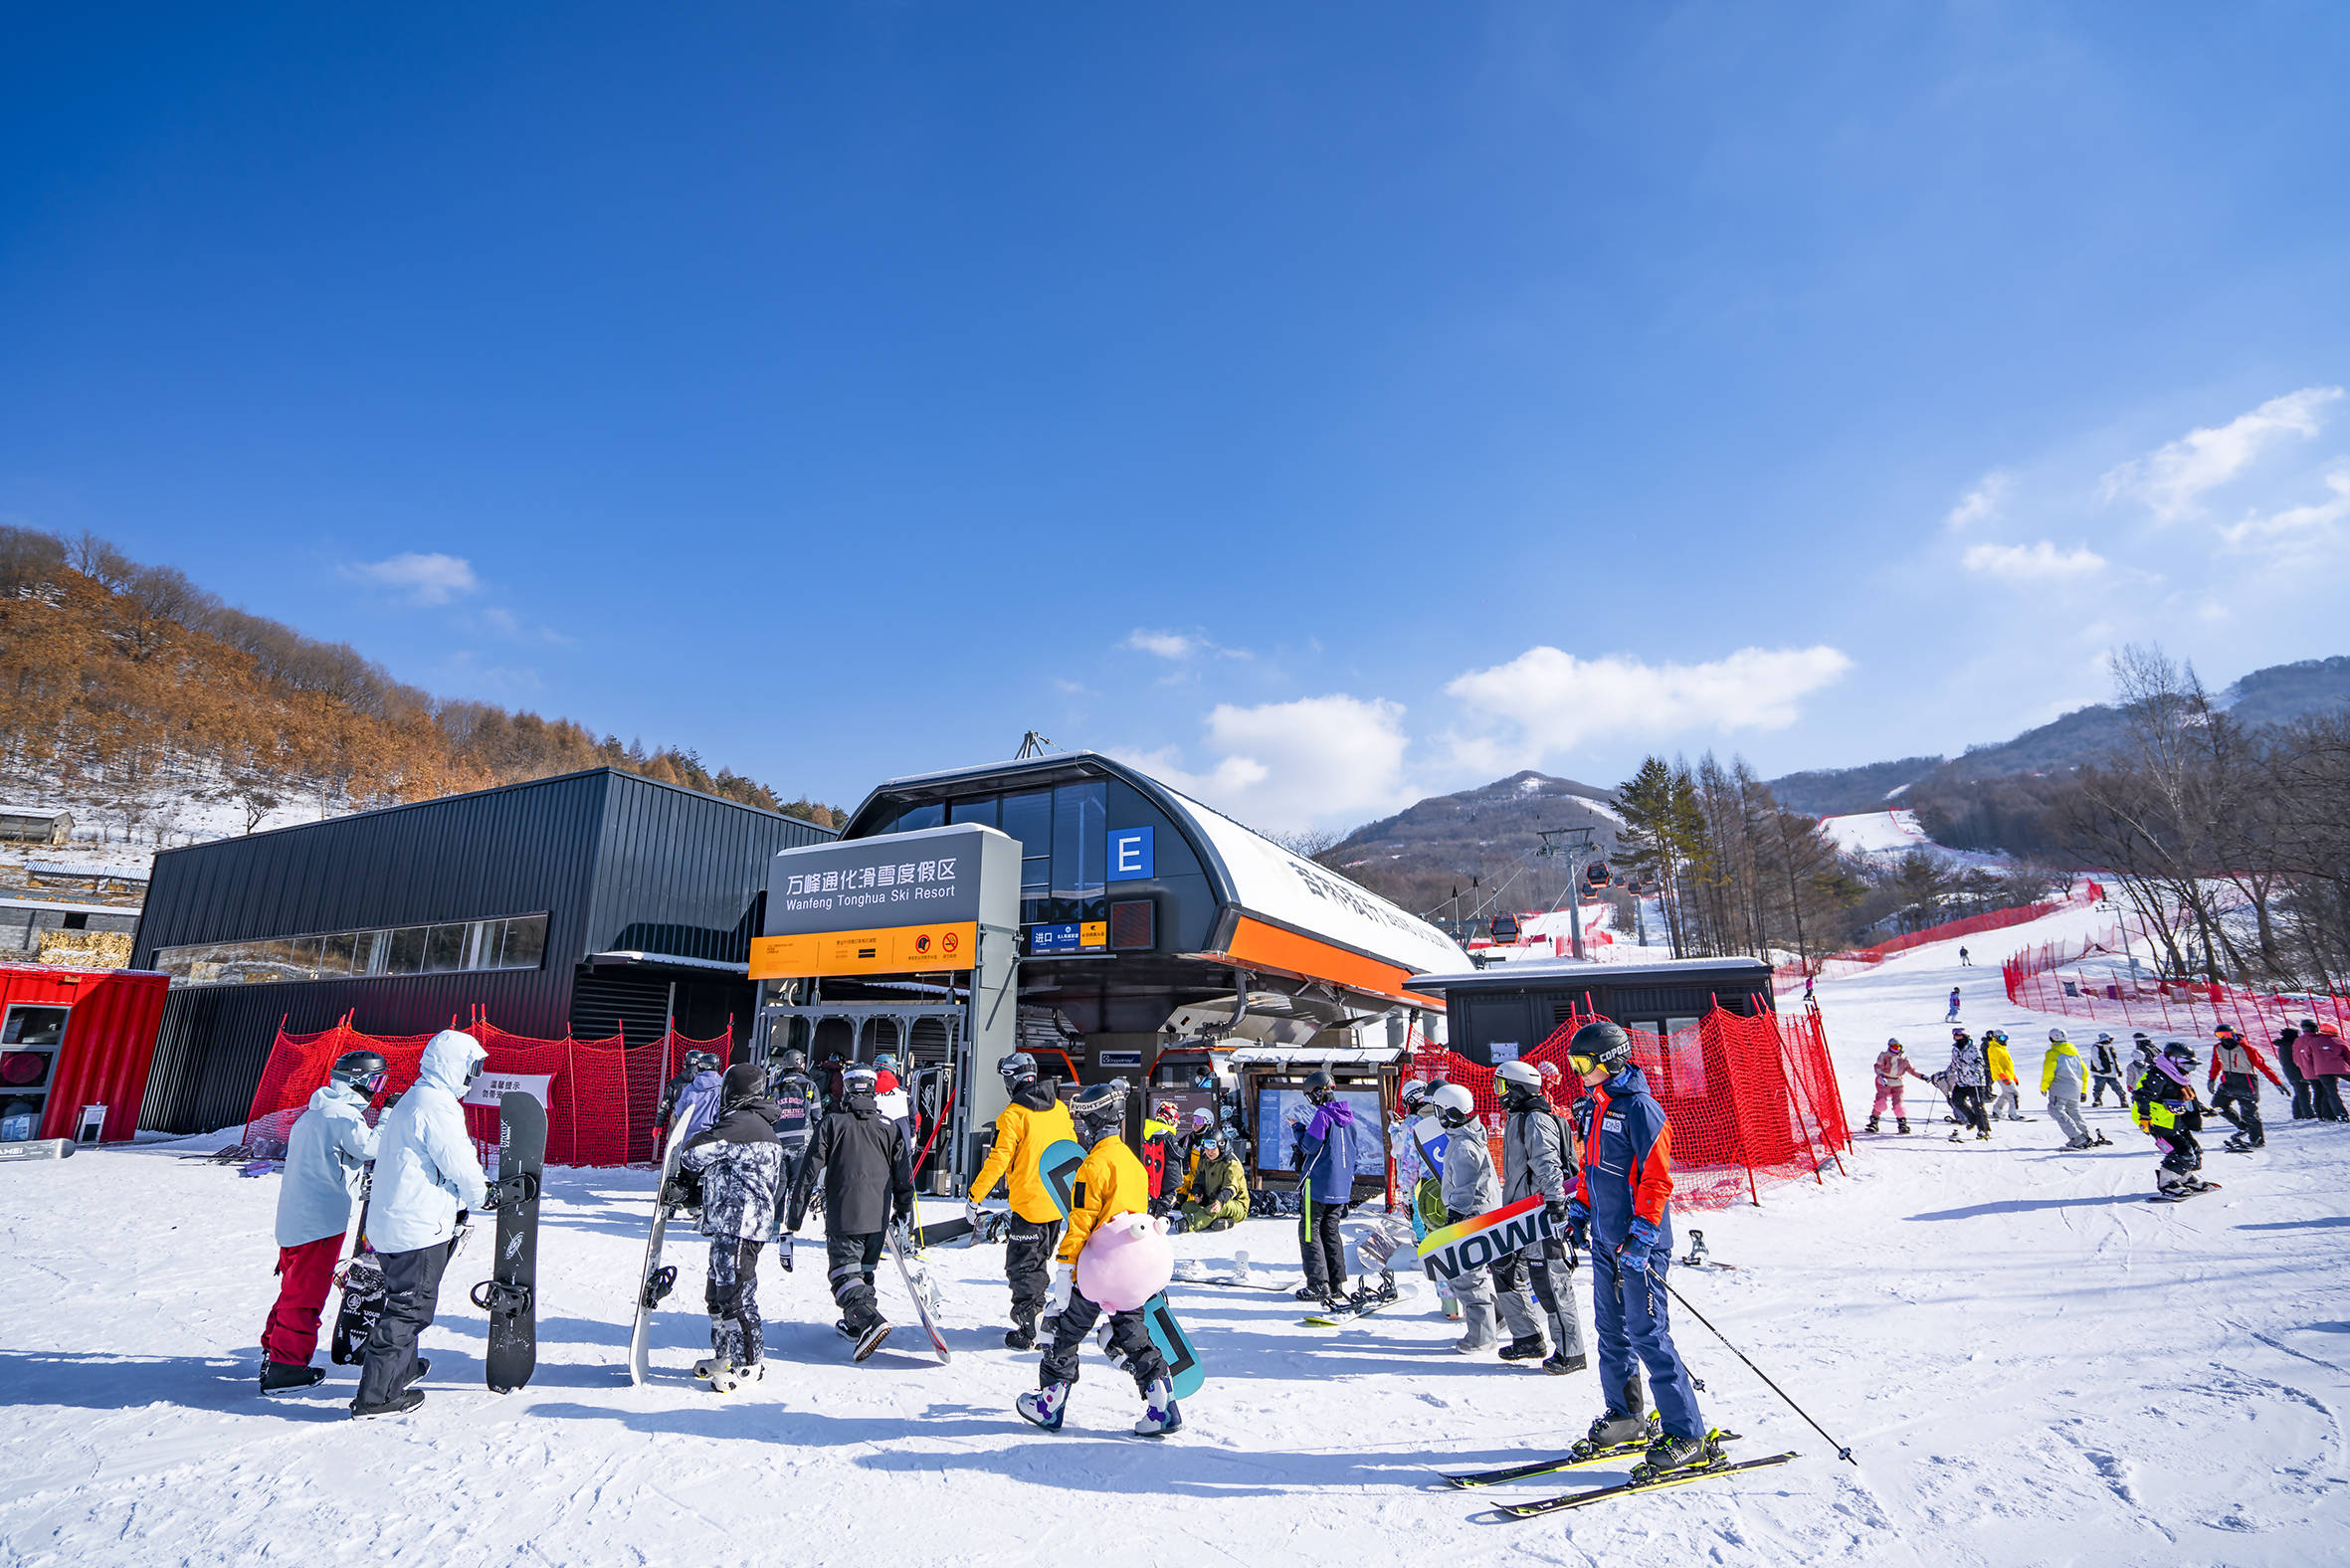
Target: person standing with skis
[[1892, 1066], [2104, 1071], [739, 1162], [1033, 1122], [326, 1155], [1324, 1158], [2062, 1075], [2008, 1101], [426, 1172], [1623, 1209], [1964, 1080], [2237, 1090], [1952, 1016], [1538, 1157], [868, 1181]]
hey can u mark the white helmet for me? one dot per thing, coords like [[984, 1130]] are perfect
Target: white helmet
[[2056, 1035], [1452, 1103], [1522, 1074]]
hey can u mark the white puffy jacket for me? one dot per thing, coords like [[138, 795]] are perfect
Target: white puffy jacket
[[424, 1166], [326, 1154]]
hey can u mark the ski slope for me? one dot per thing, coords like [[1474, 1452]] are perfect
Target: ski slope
[[2030, 1364]]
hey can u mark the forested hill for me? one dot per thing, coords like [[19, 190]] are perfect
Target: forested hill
[[1417, 855], [133, 693]]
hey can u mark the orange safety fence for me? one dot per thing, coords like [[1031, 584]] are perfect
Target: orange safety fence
[[2098, 978], [601, 1099], [1749, 1100], [1857, 959]]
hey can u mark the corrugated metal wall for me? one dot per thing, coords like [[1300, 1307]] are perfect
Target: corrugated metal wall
[[617, 862]]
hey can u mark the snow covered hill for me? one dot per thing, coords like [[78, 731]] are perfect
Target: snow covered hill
[[2031, 1363]]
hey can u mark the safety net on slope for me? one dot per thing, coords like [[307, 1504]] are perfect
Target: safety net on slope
[[1750, 1099], [2102, 977], [602, 1096]]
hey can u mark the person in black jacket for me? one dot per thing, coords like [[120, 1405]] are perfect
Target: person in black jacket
[[798, 1105], [867, 1181]]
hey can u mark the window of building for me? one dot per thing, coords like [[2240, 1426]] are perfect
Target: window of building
[[985, 811], [34, 1026], [516, 942]]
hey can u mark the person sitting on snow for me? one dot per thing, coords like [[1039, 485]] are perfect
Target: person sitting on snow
[[1214, 1191]]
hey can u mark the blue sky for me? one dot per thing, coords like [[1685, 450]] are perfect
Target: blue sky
[[1330, 405]]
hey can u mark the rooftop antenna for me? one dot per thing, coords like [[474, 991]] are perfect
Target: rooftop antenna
[[1031, 744]]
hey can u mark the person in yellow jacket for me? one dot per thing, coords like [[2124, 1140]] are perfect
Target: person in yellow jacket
[[1034, 1121], [1110, 1183], [2006, 1098], [1214, 1191]]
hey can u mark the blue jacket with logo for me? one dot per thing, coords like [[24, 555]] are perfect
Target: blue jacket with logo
[[1624, 1162]]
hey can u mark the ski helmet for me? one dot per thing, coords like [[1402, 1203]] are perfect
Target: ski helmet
[[1019, 1067], [1319, 1085], [1521, 1078], [794, 1060], [1893, 1045], [1165, 1111], [2055, 1035], [2308, 1026], [857, 1077], [1601, 1044], [1204, 1119], [360, 1070], [1453, 1105], [2179, 1053], [1209, 1138], [2225, 1031], [2103, 1039], [742, 1082], [701, 1061], [1098, 1109], [886, 1061], [1412, 1094]]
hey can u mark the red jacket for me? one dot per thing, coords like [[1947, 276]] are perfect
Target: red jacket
[[2241, 1056], [2322, 1054]]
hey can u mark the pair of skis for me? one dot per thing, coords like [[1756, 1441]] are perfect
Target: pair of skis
[[1574, 1459]]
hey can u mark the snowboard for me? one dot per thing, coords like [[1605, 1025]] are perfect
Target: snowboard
[[653, 1280], [1363, 1305], [1184, 1368], [2182, 1197], [992, 1227], [1476, 1242], [511, 1294], [1058, 1165], [363, 1291], [921, 1287], [37, 1150]]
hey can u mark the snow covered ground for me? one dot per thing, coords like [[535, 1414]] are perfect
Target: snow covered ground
[[2032, 1365], [1886, 836]]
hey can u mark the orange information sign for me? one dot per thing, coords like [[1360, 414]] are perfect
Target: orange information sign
[[898, 949]]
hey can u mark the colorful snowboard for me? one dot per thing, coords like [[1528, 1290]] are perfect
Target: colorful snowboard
[[1183, 1361], [1058, 1165], [1476, 1242]]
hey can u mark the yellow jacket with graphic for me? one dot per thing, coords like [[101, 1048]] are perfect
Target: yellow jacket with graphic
[[1111, 1182], [1023, 1133], [2002, 1065]]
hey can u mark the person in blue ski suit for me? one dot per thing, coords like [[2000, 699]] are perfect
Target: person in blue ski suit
[[1325, 1161], [1622, 1211]]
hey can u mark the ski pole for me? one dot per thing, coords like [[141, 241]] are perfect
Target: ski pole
[[1841, 1451]]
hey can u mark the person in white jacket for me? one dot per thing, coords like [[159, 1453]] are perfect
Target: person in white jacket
[[326, 1155], [425, 1172]]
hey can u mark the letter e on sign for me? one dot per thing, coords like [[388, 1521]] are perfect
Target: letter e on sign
[[1130, 854]]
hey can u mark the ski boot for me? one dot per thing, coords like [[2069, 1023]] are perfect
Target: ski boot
[[2236, 1143], [708, 1367], [1219, 1223], [1044, 1407], [1668, 1453], [1560, 1364], [399, 1404], [1613, 1431], [1160, 1414], [1023, 1335], [1954, 1134], [1983, 1136], [1526, 1347], [1872, 1128], [871, 1340], [1902, 1128], [279, 1378]]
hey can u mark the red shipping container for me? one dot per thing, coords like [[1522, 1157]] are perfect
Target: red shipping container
[[97, 1053]]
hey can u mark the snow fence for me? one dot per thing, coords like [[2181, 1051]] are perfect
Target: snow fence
[[2096, 978], [1750, 1099]]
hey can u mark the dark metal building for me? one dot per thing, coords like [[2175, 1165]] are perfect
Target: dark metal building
[[1517, 1005], [591, 903]]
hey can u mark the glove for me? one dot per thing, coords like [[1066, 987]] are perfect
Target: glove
[[1558, 1213], [1639, 1243], [1064, 1279], [901, 1208], [1344, 1210], [973, 1214], [1578, 1226]]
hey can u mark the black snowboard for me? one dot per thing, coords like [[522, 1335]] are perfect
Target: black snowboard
[[362, 1291], [511, 1296]]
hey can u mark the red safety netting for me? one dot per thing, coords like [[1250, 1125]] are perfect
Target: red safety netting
[[1857, 959], [1749, 1100], [601, 1099], [2098, 978]]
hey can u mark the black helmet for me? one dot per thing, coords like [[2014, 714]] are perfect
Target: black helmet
[[362, 1069], [701, 1061], [2179, 1053], [1603, 1044], [1019, 1067], [793, 1061], [1098, 1109], [1319, 1085], [742, 1082]]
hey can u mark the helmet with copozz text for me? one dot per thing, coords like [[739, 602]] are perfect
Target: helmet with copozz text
[[1601, 1044]]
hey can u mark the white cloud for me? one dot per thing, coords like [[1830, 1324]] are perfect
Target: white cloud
[[1285, 765], [2023, 562], [1178, 645], [421, 579], [1545, 701], [1983, 501], [2296, 531], [2173, 479]]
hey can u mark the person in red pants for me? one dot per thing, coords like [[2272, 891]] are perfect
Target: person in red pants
[[326, 1154]]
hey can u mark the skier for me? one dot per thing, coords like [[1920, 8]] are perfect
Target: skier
[[868, 1183], [2105, 1069], [1162, 1155], [2288, 1059], [1323, 1156], [2007, 1102], [1214, 1195], [1952, 1018], [1892, 1066], [326, 1155], [1964, 962], [1034, 1121], [696, 1105], [1538, 1154], [2236, 1096], [1471, 1187], [1623, 1210], [739, 1162], [1964, 1082], [2061, 1079], [2324, 1062], [2166, 1107], [425, 1171], [1111, 1182], [1416, 1129], [797, 1106]]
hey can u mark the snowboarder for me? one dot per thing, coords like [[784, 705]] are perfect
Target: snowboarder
[[1416, 1129], [1892, 1066], [1538, 1157], [2061, 1079], [1111, 1182], [798, 1104], [1034, 1121], [1323, 1156], [1964, 1082], [425, 1171], [2104, 1071], [1964, 962], [1471, 1187], [2008, 1100], [695, 1104], [2166, 1107], [868, 1182], [326, 1155], [739, 1163], [2324, 1062], [1623, 1210], [1952, 1016], [2236, 1096], [1214, 1191]]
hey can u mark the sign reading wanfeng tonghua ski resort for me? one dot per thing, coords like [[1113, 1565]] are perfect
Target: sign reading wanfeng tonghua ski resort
[[896, 904]]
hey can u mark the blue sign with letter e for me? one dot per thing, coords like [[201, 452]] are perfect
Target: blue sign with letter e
[[1130, 857]]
